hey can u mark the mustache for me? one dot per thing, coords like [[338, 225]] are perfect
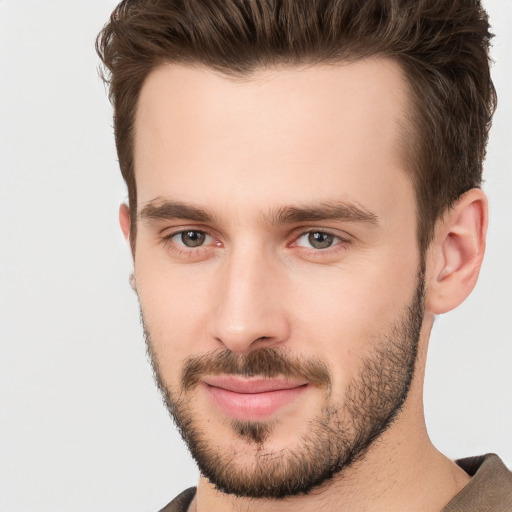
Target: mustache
[[265, 362]]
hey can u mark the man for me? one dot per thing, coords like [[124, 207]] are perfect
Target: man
[[304, 198]]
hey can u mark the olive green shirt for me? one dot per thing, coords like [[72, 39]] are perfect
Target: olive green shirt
[[489, 490]]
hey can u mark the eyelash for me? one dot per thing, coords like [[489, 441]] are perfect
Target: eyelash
[[183, 250], [340, 244], [192, 252]]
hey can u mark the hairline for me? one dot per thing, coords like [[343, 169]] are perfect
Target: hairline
[[409, 146]]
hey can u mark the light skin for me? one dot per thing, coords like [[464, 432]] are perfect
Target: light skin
[[257, 165]]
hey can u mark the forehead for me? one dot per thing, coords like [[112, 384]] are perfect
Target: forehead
[[296, 133]]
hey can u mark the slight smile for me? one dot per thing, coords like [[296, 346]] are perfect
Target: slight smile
[[251, 399]]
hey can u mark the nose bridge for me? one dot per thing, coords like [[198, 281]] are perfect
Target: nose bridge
[[247, 305]]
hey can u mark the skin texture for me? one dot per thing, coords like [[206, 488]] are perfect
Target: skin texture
[[247, 154]]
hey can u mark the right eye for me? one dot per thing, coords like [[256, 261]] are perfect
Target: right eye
[[190, 238]]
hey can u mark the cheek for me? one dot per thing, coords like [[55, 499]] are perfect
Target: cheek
[[174, 305], [336, 313], [343, 315]]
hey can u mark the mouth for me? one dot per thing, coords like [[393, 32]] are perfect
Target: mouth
[[251, 399]]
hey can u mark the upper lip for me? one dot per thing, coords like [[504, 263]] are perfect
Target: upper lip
[[250, 385]]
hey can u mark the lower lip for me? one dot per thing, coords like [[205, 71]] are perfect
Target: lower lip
[[252, 406]]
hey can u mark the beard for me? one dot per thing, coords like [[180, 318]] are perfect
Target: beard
[[339, 436]]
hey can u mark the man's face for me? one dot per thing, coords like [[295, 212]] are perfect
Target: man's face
[[276, 265]]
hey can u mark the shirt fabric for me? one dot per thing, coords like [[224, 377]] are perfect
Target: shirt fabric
[[489, 490]]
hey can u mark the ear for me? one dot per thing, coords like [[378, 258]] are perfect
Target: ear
[[455, 255], [124, 221]]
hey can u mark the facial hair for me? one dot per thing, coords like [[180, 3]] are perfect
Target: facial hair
[[335, 439]]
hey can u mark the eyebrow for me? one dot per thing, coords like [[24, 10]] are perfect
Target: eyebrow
[[343, 211], [159, 209]]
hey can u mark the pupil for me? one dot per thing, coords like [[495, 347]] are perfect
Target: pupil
[[192, 238], [320, 240]]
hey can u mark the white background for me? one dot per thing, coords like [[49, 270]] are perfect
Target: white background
[[82, 427]]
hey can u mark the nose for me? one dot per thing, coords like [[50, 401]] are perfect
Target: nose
[[249, 305]]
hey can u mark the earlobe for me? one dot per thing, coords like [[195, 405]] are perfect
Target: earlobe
[[457, 251], [124, 221]]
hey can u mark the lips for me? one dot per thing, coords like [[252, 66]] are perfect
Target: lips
[[251, 399]]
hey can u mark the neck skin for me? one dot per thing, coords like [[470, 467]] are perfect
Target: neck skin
[[402, 470]]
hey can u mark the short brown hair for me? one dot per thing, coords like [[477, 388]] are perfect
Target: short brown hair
[[442, 45]]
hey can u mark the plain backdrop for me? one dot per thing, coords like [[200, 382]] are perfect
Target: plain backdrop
[[82, 426]]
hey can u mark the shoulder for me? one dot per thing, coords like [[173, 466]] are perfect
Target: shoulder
[[490, 487], [181, 502]]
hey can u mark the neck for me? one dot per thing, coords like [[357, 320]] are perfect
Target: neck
[[401, 471]]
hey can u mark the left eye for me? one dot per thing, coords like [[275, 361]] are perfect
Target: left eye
[[191, 238], [318, 240]]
